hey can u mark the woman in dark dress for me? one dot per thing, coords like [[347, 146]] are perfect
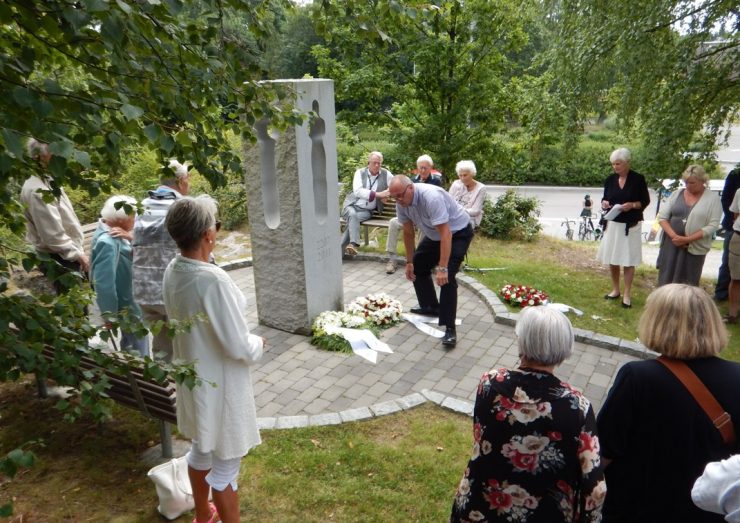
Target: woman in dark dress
[[689, 219], [535, 449], [655, 438], [622, 242]]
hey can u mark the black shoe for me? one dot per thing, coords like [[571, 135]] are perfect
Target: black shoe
[[626, 305], [450, 337], [424, 311]]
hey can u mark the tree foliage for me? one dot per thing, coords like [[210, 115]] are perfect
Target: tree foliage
[[444, 63], [667, 68], [94, 78]]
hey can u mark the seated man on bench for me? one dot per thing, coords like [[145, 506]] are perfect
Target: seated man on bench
[[425, 174], [369, 192]]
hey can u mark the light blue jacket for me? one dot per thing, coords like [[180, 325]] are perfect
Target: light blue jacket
[[111, 273]]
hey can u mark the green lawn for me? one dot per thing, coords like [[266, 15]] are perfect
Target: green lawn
[[404, 466]]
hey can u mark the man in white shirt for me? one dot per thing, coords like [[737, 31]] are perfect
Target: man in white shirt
[[447, 236], [369, 192]]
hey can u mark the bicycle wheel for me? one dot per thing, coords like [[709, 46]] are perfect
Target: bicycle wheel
[[582, 231]]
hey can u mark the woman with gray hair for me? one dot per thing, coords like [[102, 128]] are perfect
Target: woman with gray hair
[[626, 191], [221, 421], [111, 269], [468, 192], [535, 450], [689, 219]]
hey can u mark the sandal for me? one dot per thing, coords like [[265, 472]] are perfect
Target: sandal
[[214, 515]]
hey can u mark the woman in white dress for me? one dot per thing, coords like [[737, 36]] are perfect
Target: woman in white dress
[[221, 420]]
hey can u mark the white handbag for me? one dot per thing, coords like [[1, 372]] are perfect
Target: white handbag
[[173, 487]]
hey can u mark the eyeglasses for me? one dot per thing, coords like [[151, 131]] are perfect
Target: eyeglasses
[[218, 225], [403, 193]]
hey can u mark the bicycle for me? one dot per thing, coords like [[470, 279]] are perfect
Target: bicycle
[[569, 229], [586, 229]]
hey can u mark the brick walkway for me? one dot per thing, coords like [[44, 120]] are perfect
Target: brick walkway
[[297, 384]]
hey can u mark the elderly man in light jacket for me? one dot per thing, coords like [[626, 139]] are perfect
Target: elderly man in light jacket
[[52, 227]]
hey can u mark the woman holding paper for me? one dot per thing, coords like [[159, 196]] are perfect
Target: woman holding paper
[[689, 219], [625, 197]]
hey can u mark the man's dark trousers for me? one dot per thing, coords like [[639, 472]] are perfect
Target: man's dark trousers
[[426, 258], [721, 290]]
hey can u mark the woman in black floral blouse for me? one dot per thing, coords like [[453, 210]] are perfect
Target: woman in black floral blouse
[[535, 452]]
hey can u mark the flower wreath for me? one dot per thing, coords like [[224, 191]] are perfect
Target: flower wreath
[[372, 312], [523, 296]]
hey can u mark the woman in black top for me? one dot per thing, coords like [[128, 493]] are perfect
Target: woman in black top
[[622, 243], [655, 438]]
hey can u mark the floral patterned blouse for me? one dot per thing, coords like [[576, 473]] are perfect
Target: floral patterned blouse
[[535, 453]]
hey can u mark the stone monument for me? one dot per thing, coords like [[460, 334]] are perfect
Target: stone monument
[[292, 192]]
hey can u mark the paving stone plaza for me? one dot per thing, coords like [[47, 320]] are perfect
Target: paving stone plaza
[[297, 384]]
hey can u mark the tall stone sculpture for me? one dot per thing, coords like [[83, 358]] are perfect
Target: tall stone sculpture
[[291, 179]]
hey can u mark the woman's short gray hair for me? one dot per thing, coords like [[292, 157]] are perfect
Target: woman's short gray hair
[[189, 218], [696, 171], [545, 335], [35, 148], [467, 166], [622, 154], [109, 213]]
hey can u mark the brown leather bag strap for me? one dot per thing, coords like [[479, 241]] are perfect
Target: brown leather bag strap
[[706, 400]]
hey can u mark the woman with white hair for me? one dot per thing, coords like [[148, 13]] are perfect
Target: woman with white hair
[[535, 450], [111, 269], [656, 439], [689, 219], [221, 421], [468, 192], [621, 245]]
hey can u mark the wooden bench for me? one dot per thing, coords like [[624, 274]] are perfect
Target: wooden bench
[[378, 220], [129, 387], [88, 230]]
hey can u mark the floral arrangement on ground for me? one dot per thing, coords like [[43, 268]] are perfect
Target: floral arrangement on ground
[[373, 312], [523, 296]]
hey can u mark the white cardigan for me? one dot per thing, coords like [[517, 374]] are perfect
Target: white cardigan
[[706, 215], [223, 418]]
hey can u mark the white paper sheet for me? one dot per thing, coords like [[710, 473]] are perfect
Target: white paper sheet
[[363, 342], [615, 211], [428, 319], [562, 307], [423, 327]]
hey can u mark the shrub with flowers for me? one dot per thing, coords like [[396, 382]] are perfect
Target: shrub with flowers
[[372, 312], [523, 296]]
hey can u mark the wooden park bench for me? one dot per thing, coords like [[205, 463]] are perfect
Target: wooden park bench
[[87, 231], [131, 389], [378, 220]]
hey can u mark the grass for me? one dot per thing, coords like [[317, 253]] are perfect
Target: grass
[[404, 466]]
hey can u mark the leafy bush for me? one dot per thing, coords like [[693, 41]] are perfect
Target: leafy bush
[[511, 217]]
